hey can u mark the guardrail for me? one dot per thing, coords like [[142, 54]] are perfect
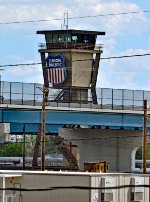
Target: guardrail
[[106, 98]]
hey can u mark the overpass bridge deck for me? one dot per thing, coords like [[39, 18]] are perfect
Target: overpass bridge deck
[[25, 119]]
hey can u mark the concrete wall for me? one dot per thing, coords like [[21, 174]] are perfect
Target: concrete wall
[[55, 180], [114, 146], [82, 70]]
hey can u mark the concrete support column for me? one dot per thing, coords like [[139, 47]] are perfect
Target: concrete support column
[[114, 146]]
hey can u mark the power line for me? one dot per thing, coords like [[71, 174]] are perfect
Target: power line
[[21, 64], [73, 18], [74, 187], [106, 58], [111, 14], [126, 56]]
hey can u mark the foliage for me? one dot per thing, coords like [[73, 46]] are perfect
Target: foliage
[[15, 149], [10, 150], [50, 145], [140, 151]]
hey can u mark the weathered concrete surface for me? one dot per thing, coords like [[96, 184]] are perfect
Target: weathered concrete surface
[[115, 146]]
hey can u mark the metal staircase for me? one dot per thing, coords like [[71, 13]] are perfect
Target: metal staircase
[[73, 163], [63, 148], [60, 145], [59, 96]]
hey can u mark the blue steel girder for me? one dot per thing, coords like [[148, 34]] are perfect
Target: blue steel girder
[[27, 121]]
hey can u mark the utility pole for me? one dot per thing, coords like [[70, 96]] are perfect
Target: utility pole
[[145, 137], [43, 129], [24, 138], [1, 99]]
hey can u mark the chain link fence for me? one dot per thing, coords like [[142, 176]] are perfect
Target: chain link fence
[[106, 98]]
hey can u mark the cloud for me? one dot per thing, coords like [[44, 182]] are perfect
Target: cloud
[[119, 73], [31, 74], [113, 25], [127, 73], [26, 12]]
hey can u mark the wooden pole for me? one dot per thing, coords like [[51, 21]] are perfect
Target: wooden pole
[[145, 138], [24, 146], [43, 129]]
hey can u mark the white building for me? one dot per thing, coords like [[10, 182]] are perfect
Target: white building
[[72, 187]]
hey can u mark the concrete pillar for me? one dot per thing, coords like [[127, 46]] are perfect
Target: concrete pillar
[[114, 146]]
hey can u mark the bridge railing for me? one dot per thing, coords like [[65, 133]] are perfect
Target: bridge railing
[[103, 98], [21, 93]]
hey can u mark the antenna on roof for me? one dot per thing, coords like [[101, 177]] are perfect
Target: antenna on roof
[[65, 27], [65, 24]]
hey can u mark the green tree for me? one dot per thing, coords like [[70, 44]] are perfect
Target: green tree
[[10, 150], [139, 152]]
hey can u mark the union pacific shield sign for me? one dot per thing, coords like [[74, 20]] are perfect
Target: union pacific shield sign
[[55, 69]]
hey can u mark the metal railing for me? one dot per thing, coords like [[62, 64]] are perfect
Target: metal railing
[[106, 98], [69, 45], [21, 93]]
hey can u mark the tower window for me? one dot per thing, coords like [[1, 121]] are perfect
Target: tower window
[[74, 39]]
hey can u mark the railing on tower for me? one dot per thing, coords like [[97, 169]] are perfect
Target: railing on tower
[[88, 46]]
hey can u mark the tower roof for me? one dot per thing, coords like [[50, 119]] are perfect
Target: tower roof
[[70, 31]]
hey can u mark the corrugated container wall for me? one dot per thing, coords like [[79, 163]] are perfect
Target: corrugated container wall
[[59, 195], [120, 194], [122, 191]]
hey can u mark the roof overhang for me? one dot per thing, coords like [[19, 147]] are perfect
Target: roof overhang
[[70, 31]]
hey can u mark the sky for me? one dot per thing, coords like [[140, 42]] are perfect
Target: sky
[[125, 35]]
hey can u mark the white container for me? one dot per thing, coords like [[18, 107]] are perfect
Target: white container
[[4, 128]]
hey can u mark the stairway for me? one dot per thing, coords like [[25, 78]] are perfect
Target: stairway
[[73, 163], [63, 148], [59, 96]]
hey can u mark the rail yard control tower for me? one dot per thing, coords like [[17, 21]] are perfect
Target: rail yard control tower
[[70, 62]]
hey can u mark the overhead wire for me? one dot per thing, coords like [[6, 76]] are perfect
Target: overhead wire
[[126, 56], [103, 58], [111, 14], [72, 18], [21, 64]]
